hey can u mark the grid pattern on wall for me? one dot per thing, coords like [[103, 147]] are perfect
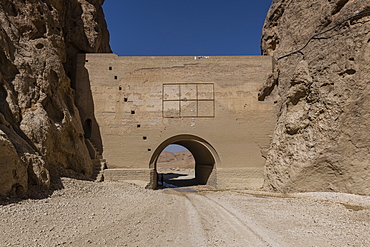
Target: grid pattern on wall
[[188, 100]]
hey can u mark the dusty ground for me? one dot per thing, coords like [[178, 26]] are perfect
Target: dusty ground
[[120, 214]]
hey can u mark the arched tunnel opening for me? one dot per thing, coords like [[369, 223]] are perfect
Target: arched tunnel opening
[[175, 166], [205, 162]]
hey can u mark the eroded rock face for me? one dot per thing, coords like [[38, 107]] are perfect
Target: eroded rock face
[[322, 140], [41, 134]]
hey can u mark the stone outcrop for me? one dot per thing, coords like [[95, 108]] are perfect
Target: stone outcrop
[[322, 140], [178, 160], [41, 136]]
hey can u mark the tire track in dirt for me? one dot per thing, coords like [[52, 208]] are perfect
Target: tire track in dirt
[[270, 238], [222, 227], [199, 236]]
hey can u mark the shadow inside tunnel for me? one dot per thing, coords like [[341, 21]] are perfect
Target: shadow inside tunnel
[[176, 180]]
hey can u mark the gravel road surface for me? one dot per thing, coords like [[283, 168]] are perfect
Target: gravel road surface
[[120, 214]]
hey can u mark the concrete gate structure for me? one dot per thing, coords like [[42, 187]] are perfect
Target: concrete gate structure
[[134, 107]]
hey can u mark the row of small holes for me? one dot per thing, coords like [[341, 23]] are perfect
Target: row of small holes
[[132, 111], [115, 77]]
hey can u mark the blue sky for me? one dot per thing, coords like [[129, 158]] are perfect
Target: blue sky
[[185, 28], [182, 28]]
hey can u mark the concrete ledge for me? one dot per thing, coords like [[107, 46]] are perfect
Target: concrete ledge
[[240, 178], [124, 175], [222, 178]]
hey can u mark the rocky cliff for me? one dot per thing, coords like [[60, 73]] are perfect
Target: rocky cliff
[[41, 136], [321, 141]]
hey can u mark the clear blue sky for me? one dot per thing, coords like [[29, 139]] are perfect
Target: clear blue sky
[[187, 27]]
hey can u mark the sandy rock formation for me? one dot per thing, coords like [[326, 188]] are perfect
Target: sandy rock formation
[[321, 141], [41, 136], [180, 160]]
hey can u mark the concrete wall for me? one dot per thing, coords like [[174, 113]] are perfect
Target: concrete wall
[[137, 104]]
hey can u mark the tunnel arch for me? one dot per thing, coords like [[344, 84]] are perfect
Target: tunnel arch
[[205, 156]]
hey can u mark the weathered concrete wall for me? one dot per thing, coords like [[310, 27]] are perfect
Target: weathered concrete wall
[[140, 102]]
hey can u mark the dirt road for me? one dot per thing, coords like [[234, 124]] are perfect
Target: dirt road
[[119, 214], [215, 224]]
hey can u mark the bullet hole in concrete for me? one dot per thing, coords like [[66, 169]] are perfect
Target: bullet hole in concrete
[[144, 138], [132, 112]]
